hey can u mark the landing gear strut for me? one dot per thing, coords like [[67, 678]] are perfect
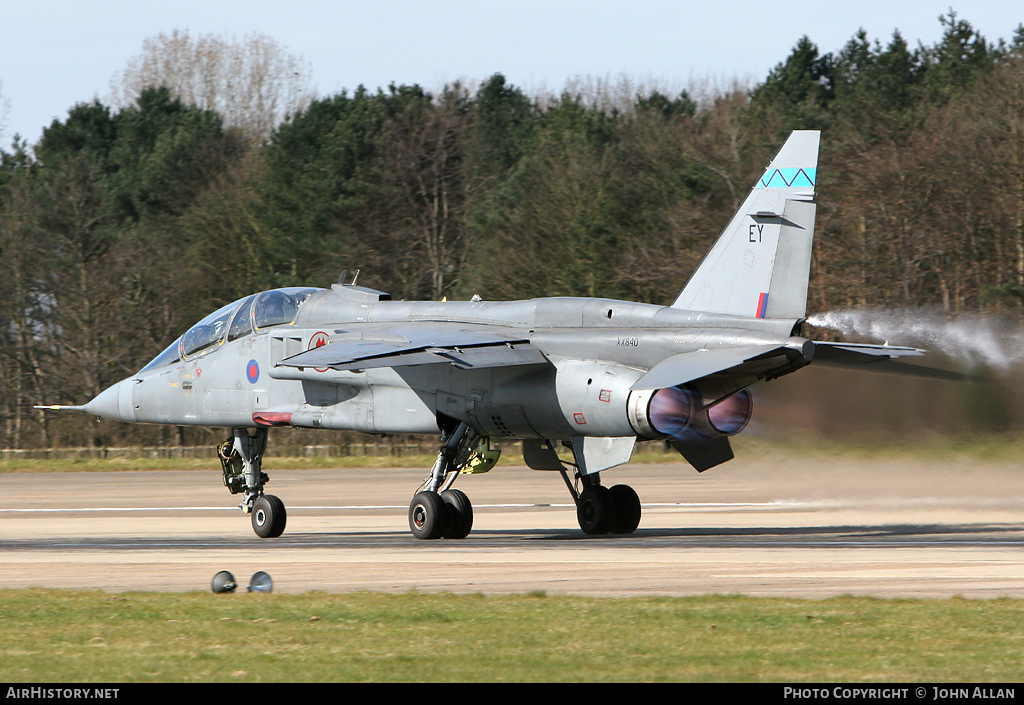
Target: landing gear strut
[[599, 509], [437, 510], [241, 458]]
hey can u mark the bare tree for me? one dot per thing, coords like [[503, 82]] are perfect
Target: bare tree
[[5, 109], [253, 84], [422, 155]]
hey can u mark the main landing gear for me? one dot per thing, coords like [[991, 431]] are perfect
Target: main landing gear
[[600, 509], [241, 458], [438, 511]]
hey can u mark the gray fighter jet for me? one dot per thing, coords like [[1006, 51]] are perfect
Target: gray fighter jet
[[582, 376]]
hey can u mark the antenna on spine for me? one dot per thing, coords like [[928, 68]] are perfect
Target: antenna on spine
[[344, 273]]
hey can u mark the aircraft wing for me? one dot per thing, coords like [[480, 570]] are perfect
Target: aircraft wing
[[464, 345]]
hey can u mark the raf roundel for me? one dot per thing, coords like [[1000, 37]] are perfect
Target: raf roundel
[[252, 371]]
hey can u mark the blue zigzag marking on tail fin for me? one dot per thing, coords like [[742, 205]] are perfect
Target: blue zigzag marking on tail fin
[[787, 178]]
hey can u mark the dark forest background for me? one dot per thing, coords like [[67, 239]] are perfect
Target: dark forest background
[[133, 217]]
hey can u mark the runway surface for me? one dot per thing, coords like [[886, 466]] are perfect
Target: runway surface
[[773, 525]]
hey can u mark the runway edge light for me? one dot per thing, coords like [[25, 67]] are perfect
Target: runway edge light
[[261, 582], [223, 582]]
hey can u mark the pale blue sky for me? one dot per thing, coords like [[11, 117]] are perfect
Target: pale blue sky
[[55, 53]]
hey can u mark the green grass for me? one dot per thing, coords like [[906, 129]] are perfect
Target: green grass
[[72, 636]]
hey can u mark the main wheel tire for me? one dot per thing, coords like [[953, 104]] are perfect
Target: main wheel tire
[[595, 510], [429, 516], [461, 510], [627, 509], [268, 517]]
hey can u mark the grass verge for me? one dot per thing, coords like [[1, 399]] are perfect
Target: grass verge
[[62, 636]]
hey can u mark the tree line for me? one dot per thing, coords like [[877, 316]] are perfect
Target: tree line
[[128, 221]]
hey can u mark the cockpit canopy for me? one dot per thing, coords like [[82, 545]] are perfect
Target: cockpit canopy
[[236, 320]]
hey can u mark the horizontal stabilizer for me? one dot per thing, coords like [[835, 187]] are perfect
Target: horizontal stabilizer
[[880, 359], [833, 350]]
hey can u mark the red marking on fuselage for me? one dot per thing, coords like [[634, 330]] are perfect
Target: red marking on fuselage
[[272, 418]]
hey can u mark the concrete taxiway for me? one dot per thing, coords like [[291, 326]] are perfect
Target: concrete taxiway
[[774, 525]]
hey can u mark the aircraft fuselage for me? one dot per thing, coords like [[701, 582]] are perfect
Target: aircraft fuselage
[[597, 349]]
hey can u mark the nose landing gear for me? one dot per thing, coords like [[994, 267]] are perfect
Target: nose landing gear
[[268, 516], [241, 458]]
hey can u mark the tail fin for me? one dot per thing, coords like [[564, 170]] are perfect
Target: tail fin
[[760, 265]]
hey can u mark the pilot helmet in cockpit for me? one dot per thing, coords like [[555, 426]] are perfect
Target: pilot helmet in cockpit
[[274, 308]]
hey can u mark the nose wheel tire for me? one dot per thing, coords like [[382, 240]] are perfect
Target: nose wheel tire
[[429, 516], [268, 517]]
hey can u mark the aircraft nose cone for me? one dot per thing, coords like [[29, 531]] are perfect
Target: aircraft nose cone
[[114, 402]]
